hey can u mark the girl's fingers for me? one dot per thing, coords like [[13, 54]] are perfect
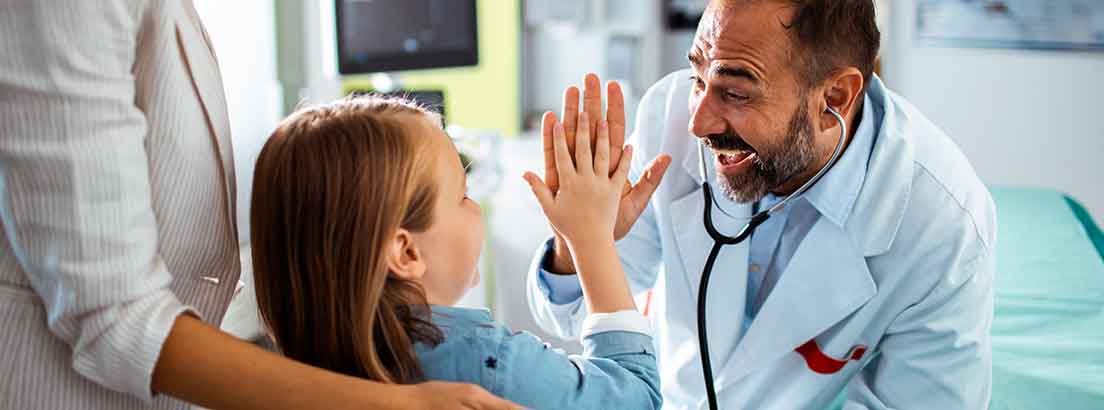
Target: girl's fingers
[[548, 123], [584, 163], [564, 166], [602, 150]]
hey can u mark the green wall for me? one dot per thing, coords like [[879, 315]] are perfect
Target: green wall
[[486, 96]]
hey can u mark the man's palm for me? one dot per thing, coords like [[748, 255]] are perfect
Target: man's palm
[[634, 199]]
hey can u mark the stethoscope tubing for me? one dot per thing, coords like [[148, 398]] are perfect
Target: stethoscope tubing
[[720, 240]]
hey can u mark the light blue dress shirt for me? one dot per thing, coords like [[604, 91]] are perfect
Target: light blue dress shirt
[[617, 369], [774, 242]]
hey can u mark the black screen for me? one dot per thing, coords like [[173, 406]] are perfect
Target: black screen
[[388, 35]]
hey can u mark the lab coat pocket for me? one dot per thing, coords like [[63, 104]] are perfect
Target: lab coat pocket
[[829, 359]]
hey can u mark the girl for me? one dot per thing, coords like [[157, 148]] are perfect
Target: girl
[[363, 238]]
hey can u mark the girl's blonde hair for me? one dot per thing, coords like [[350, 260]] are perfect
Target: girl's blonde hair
[[331, 187]]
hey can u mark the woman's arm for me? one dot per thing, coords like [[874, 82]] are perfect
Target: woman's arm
[[76, 210], [212, 369]]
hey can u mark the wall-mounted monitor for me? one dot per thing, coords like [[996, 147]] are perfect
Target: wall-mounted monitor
[[394, 35]]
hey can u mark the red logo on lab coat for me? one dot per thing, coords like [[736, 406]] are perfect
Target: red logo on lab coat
[[822, 363]]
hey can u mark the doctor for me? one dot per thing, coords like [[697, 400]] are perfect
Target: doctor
[[877, 282]]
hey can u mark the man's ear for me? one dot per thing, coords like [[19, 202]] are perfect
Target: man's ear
[[842, 92], [404, 260]]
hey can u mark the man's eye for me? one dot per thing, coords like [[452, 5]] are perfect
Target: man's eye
[[697, 81], [736, 97]]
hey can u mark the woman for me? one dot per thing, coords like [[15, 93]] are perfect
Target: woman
[[118, 254]]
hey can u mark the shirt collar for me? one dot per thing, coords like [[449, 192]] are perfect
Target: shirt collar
[[451, 313], [834, 196]]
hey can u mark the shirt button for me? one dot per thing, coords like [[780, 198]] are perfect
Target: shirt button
[[211, 279], [754, 268]]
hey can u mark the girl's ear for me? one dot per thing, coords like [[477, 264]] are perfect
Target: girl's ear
[[404, 261]]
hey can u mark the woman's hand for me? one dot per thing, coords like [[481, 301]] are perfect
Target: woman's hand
[[584, 209], [452, 396]]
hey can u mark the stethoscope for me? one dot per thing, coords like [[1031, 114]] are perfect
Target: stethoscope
[[720, 240]]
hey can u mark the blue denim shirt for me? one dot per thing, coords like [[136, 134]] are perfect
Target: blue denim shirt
[[617, 369]]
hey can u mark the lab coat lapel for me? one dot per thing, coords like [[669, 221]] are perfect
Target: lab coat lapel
[[694, 243], [727, 293], [826, 280], [203, 68]]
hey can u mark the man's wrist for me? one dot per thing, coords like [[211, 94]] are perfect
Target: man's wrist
[[560, 262]]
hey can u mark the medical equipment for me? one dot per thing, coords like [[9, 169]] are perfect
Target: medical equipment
[[720, 240]]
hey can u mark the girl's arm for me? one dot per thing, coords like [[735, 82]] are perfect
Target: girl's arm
[[617, 370], [584, 211]]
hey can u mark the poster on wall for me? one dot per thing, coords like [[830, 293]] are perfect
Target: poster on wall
[[1034, 24]]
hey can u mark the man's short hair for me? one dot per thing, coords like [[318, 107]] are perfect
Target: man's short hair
[[830, 35], [833, 34]]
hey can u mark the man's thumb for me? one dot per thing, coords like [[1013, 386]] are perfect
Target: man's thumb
[[649, 181]]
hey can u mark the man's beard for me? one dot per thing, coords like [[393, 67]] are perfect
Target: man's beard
[[773, 165]]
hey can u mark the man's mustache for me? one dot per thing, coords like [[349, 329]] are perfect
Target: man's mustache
[[728, 141]]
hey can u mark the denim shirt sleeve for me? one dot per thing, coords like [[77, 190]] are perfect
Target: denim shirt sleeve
[[616, 370]]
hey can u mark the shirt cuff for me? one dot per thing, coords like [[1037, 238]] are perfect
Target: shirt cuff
[[560, 289], [620, 321], [125, 354], [617, 343]]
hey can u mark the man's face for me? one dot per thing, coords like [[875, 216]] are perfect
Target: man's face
[[747, 103]]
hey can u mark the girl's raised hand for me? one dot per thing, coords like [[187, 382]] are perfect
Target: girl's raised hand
[[585, 206]]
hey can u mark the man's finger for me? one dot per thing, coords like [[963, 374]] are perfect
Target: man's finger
[[565, 167], [570, 115], [584, 163], [615, 116], [621, 173], [592, 98], [548, 122], [649, 181]]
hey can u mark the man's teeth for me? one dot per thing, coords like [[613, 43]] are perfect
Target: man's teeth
[[735, 153], [732, 157]]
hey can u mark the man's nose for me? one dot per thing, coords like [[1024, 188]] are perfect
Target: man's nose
[[704, 120]]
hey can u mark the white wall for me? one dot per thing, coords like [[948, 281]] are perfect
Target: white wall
[[556, 54], [1023, 117], [244, 38]]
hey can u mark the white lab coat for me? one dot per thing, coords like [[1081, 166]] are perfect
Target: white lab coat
[[907, 274]]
